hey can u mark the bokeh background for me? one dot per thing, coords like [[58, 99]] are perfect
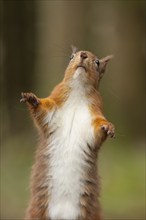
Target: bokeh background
[[35, 49]]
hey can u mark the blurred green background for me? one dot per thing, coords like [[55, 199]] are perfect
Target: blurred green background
[[35, 48]]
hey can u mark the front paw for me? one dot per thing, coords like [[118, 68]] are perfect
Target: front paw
[[30, 98], [109, 129]]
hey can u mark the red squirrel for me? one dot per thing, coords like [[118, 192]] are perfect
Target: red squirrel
[[72, 127]]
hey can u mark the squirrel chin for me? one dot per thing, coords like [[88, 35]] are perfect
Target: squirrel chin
[[79, 70], [81, 67]]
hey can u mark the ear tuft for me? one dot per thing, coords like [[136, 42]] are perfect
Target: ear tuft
[[104, 61], [74, 49], [107, 58]]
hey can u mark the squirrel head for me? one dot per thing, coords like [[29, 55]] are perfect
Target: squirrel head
[[85, 67]]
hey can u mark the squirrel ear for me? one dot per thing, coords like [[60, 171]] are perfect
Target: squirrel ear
[[74, 49], [103, 63]]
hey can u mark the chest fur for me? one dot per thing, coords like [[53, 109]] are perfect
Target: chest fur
[[72, 132]]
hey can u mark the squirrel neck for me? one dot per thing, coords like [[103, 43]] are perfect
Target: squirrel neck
[[78, 81], [63, 91]]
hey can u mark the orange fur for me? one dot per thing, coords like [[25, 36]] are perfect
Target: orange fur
[[39, 108]]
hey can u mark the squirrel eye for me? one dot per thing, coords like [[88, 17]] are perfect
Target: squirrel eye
[[97, 62], [72, 56]]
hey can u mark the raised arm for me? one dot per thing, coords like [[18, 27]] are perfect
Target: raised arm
[[38, 107]]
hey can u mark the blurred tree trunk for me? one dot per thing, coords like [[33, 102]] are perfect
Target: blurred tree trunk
[[18, 55], [119, 29], [36, 43], [55, 37]]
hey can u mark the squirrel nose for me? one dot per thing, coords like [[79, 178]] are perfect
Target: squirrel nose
[[83, 55]]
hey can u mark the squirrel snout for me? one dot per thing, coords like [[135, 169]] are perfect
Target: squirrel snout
[[83, 55]]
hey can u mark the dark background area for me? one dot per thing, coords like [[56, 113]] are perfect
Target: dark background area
[[35, 49]]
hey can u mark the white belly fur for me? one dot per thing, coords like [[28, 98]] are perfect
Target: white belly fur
[[67, 164]]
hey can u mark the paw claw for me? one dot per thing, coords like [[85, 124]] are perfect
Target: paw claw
[[23, 99], [30, 98], [109, 129]]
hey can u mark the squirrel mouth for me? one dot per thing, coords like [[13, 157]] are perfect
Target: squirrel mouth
[[81, 66]]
